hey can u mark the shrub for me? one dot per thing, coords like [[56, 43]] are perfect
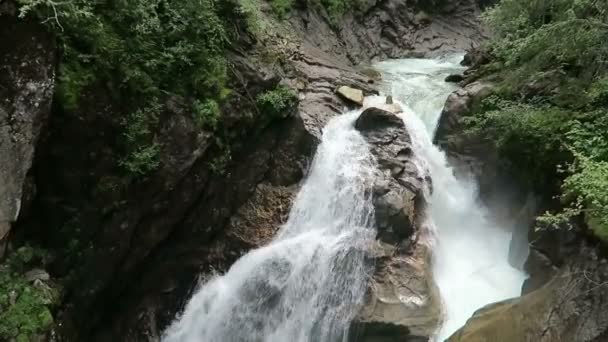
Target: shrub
[[143, 153], [277, 102], [206, 114], [281, 7], [25, 308]]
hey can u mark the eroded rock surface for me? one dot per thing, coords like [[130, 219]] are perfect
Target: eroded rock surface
[[395, 28], [570, 308], [27, 79], [403, 301]]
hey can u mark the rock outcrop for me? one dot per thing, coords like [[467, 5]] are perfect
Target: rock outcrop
[[571, 307], [394, 29], [403, 301], [27, 79]]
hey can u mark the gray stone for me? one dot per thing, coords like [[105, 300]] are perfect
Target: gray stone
[[351, 94], [36, 274], [403, 301]]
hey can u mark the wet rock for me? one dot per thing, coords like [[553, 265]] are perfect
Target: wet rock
[[541, 270], [393, 108], [351, 94], [454, 78], [469, 154], [570, 308], [476, 57], [402, 296], [459, 104], [375, 118]]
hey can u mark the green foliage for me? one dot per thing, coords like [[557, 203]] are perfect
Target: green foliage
[[24, 307], [539, 35], [337, 8], [143, 153], [206, 114], [250, 10], [277, 102], [139, 51], [530, 135], [281, 7], [584, 192], [550, 118]]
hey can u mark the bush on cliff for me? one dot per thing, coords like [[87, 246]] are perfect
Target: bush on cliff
[[25, 307], [550, 117]]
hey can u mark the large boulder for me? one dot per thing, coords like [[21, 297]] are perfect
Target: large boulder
[[27, 79], [403, 301], [570, 308]]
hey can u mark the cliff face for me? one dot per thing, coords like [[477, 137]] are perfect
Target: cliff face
[[27, 79], [131, 249], [393, 29], [563, 296]]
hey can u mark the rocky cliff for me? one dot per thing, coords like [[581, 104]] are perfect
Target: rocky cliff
[[563, 296], [129, 250]]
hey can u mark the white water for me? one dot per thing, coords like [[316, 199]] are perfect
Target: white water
[[471, 254], [309, 282]]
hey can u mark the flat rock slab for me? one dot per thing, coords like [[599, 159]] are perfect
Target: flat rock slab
[[351, 94]]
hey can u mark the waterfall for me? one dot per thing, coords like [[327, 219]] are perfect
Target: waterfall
[[471, 254], [309, 282]]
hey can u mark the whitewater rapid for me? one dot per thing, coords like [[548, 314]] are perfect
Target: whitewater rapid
[[471, 252], [309, 282]]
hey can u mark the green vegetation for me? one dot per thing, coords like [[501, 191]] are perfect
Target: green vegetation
[[25, 308], [281, 7], [277, 102], [139, 52], [144, 153], [550, 115], [206, 114]]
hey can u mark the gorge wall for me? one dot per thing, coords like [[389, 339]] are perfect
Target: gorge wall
[[129, 250], [563, 296]]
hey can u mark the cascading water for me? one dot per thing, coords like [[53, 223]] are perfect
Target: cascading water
[[471, 254], [309, 282]]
